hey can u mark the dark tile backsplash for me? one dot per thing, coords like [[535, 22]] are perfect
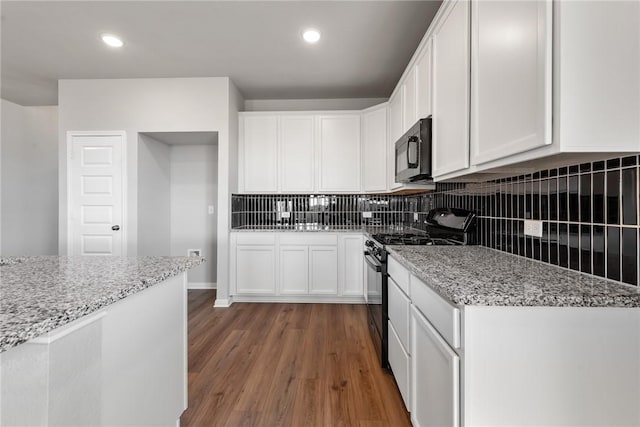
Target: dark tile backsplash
[[590, 214]]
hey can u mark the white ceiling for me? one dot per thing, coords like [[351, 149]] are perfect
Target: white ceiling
[[365, 45]]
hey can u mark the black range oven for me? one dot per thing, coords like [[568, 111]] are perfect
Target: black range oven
[[376, 283], [442, 227]]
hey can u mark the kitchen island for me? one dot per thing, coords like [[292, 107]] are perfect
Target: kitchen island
[[482, 337], [93, 340]]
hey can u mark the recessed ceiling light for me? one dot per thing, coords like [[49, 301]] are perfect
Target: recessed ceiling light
[[311, 35], [111, 40]]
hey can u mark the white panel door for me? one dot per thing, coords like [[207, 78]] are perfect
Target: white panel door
[[423, 82], [255, 270], [451, 58], [323, 270], [259, 151], [410, 111], [352, 258], [395, 132], [511, 78], [339, 153], [296, 154], [294, 270], [374, 146], [96, 194], [435, 376]]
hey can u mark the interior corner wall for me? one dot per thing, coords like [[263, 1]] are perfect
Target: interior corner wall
[[29, 175], [194, 187], [154, 199], [142, 105]]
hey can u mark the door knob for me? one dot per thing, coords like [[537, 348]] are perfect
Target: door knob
[[115, 228]]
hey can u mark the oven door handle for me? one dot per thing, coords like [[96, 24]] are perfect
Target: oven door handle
[[372, 262]]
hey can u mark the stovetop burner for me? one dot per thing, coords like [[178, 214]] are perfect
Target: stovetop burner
[[413, 239]]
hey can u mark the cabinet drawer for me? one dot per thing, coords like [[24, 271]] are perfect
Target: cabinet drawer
[[399, 274], [400, 363], [398, 311], [310, 239], [442, 315], [255, 238]]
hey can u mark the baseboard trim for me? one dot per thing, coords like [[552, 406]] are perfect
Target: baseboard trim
[[317, 299], [202, 285], [222, 303]]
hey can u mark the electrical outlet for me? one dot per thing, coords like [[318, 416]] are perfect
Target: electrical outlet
[[211, 210], [532, 228], [193, 252], [415, 216], [367, 215], [286, 214]]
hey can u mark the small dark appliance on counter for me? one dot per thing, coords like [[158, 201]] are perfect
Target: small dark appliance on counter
[[444, 226]]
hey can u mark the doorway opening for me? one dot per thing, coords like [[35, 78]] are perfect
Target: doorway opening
[[177, 199]]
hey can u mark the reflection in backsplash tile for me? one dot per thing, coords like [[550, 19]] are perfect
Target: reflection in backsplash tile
[[590, 214]]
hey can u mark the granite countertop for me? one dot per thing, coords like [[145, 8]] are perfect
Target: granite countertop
[[315, 228], [475, 275], [41, 293]]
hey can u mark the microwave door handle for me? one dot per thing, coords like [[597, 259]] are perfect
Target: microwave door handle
[[410, 164]]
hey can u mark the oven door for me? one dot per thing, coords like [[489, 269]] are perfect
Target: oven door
[[376, 306]]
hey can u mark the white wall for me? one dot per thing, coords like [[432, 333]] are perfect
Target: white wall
[[29, 180], [194, 187], [311, 104], [154, 105], [154, 197]]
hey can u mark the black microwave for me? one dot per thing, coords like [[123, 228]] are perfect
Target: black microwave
[[413, 153]]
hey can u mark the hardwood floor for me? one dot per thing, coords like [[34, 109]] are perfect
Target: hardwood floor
[[285, 365]]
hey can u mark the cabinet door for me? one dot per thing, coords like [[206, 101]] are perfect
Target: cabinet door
[[352, 260], [423, 82], [339, 153], [410, 111], [399, 306], [255, 270], [435, 376], [511, 78], [259, 153], [374, 146], [323, 270], [395, 132], [296, 154], [400, 363], [451, 89], [294, 270]]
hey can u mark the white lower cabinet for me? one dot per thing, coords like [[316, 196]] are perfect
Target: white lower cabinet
[[323, 270], [256, 269], [435, 376], [400, 363], [297, 266], [294, 270], [512, 366]]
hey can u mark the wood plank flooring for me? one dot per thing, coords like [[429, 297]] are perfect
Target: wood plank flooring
[[285, 365]]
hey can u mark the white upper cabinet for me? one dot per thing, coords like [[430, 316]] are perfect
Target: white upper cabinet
[[338, 153], [396, 130], [423, 82], [410, 116], [510, 78], [451, 89], [374, 149], [296, 154], [259, 144]]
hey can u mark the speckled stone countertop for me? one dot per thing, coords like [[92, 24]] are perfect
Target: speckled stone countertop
[[474, 275], [39, 294]]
